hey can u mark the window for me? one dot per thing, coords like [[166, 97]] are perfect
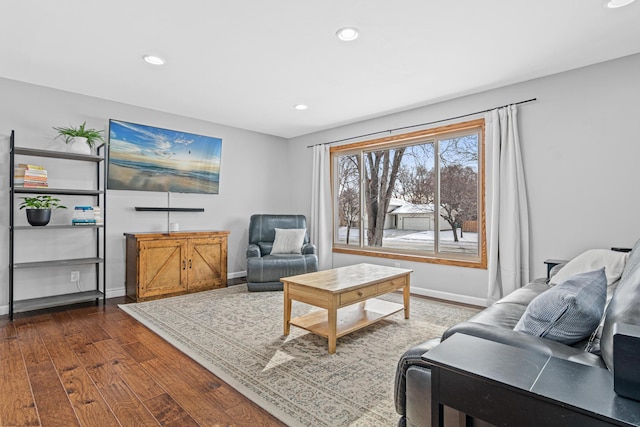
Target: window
[[416, 196]]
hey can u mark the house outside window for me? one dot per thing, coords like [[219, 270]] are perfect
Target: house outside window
[[417, 196]]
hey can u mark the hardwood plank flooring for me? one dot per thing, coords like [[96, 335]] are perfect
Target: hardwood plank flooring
[[94, 365]]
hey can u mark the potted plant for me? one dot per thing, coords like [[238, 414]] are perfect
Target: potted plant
[[39, 208], [81, 138]]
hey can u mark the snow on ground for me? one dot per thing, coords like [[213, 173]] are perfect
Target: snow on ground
[[413, 235], [421, 240]]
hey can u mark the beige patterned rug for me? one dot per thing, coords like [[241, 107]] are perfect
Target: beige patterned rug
[[237, 335]]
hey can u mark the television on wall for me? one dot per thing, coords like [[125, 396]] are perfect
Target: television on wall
[[147, 158]]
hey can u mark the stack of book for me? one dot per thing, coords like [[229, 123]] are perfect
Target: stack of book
[[30, 176], [87, 215], [97, 215]]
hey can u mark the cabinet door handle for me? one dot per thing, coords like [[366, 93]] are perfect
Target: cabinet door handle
[[190, 264], [360, 293], [184, 264]]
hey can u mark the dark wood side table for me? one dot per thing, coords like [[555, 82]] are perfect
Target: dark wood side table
[[510, 386]]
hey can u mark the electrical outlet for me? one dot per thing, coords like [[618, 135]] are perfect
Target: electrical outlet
[[75, 276], [396, 264]]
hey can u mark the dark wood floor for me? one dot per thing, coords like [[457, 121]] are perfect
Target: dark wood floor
[[97, 366]]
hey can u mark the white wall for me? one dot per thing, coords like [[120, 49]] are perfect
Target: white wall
[[581, 148], [253, 179]]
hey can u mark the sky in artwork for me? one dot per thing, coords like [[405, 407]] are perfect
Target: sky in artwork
[[180, 150]]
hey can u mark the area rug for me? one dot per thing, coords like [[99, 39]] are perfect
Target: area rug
[[237, 335]]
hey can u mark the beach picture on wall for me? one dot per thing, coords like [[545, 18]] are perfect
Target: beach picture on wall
[[148, 158]]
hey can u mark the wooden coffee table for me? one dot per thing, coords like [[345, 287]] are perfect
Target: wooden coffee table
[[354, 286]]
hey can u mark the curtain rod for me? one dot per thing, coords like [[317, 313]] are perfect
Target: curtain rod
[[421, 124]]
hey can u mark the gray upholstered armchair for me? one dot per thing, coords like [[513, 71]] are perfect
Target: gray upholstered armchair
[[264, 268]]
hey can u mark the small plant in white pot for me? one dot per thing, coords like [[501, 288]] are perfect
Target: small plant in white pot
[[39, 209], [80, 139]]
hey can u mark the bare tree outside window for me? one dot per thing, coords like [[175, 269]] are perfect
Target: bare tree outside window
[[381, 172], [349, 198], [458, 196], [459, 181], [416, 179]]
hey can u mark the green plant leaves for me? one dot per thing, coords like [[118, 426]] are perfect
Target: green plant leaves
[[41, 202], [68, 133]]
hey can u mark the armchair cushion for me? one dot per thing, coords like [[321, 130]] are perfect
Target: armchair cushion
[[288, 241]]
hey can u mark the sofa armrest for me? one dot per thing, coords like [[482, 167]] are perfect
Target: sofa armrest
[[253, 251], [554, 270], [621, 249], [411, 357], [530, 342], [308, 249]]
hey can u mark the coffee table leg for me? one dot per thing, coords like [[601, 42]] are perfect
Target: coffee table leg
[[287, 309], [332, 315], [406, 294]]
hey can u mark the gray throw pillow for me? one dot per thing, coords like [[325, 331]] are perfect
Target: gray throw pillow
[[568, 312]]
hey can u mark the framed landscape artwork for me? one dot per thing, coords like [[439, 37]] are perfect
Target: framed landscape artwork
[[148, 158]]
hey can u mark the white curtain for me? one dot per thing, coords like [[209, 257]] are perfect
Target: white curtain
[[321, 210], [507, 212]]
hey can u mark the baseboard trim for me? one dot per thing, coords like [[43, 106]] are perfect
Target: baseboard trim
[[463, 299], [112, 293], [236, 275]]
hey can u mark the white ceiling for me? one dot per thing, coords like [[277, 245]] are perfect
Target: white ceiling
[[245, 63]]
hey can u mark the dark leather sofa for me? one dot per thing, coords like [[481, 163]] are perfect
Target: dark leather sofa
[[265, 269], [496, 323]]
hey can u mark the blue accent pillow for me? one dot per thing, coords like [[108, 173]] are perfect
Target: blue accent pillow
[[570, 311]]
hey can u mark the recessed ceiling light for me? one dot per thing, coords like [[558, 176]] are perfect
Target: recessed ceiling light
[[154, 59], [347, 34], [300, 107], [614, 4]]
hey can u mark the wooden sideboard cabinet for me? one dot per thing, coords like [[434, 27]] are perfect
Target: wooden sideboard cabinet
[[168, 264]]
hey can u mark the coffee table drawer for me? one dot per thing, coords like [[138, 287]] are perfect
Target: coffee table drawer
[[391, 285], [357, 295]]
